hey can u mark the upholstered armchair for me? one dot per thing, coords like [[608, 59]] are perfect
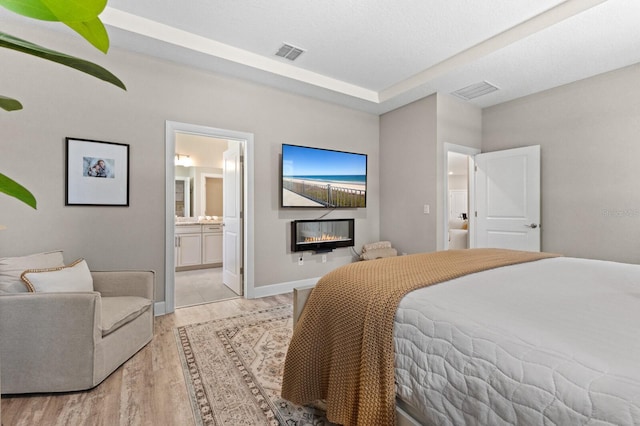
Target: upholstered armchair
[[69, 341]]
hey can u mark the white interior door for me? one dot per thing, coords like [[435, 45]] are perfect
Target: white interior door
[[508, 199], [457, 203], [232, 218]]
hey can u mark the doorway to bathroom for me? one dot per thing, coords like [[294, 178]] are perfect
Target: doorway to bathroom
[[207, 244], [199, 209]]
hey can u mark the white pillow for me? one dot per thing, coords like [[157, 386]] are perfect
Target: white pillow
[[12, 267], [73, 278]]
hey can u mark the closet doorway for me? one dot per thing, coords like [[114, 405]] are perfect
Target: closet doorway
[[458, 194]]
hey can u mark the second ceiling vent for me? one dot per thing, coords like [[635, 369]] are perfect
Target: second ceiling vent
[[475, 90], [289, 52]]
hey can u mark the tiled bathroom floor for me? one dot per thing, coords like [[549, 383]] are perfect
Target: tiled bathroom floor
[[201, 286]]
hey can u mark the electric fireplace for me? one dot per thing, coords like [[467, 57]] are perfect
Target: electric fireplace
[[322, 235]]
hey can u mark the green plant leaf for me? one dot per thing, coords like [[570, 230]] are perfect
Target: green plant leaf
[[93, 31], [75, 10], [9, 104], [90, 68], [33, 9], [57, 10], [79, 15], [14, 189]]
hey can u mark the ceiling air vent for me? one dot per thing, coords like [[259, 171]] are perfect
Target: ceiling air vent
[[475, 90], [289, 52]]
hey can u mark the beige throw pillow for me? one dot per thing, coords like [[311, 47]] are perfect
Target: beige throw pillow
[[12, 267], [73, 278]]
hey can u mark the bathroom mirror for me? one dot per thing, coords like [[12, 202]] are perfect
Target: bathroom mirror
[[183, 196], [203, 172]]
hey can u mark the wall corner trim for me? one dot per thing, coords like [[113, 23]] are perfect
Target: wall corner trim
[[159, 309]]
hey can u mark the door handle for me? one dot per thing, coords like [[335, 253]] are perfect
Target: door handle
[[532, 226]]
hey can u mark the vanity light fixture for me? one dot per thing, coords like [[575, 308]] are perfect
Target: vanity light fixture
[[183, 160]]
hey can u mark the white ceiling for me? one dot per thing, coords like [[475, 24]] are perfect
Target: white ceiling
[[377, 55]]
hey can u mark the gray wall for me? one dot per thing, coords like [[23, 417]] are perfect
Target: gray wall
[[459, 123], [62, 102], [588, 133], [408, 176], [412, 167]]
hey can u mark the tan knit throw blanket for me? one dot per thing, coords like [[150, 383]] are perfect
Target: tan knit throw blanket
[[342, 347]]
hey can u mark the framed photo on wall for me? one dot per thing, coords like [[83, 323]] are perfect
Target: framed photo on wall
[[97, 173]]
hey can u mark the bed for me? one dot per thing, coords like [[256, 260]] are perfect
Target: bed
[[548, 340]]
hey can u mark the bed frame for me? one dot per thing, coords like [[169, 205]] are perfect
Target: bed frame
[[403, 418]]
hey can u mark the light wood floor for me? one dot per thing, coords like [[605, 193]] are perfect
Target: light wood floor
[[201, 286], [149, 389]]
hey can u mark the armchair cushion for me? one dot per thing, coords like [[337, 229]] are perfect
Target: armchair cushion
[[75, 277], [117, 311], [12, 267]]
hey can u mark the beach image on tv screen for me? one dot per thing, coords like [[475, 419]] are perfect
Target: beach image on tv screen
[[313, 177]]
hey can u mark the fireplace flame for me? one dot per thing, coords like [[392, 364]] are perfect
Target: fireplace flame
[[323, 237]]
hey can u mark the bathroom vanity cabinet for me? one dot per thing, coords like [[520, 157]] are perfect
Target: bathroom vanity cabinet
[[198, 246]]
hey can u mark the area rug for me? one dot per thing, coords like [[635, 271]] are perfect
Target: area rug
[[233, 369]]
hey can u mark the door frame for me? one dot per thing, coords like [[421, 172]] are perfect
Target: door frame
[[471, 188], [247, 143]]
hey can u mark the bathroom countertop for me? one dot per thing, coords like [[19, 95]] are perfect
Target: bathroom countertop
[[198, 222]]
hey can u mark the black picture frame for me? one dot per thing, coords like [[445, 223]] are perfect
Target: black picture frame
[[96, 173]]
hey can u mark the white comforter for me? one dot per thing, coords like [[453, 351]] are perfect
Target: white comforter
[[552, 342]]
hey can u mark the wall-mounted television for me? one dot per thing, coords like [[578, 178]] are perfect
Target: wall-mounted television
[[322, 178]]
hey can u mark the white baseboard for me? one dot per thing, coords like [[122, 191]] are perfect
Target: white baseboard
[[264, 291], [159, 308], [281, 288]]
